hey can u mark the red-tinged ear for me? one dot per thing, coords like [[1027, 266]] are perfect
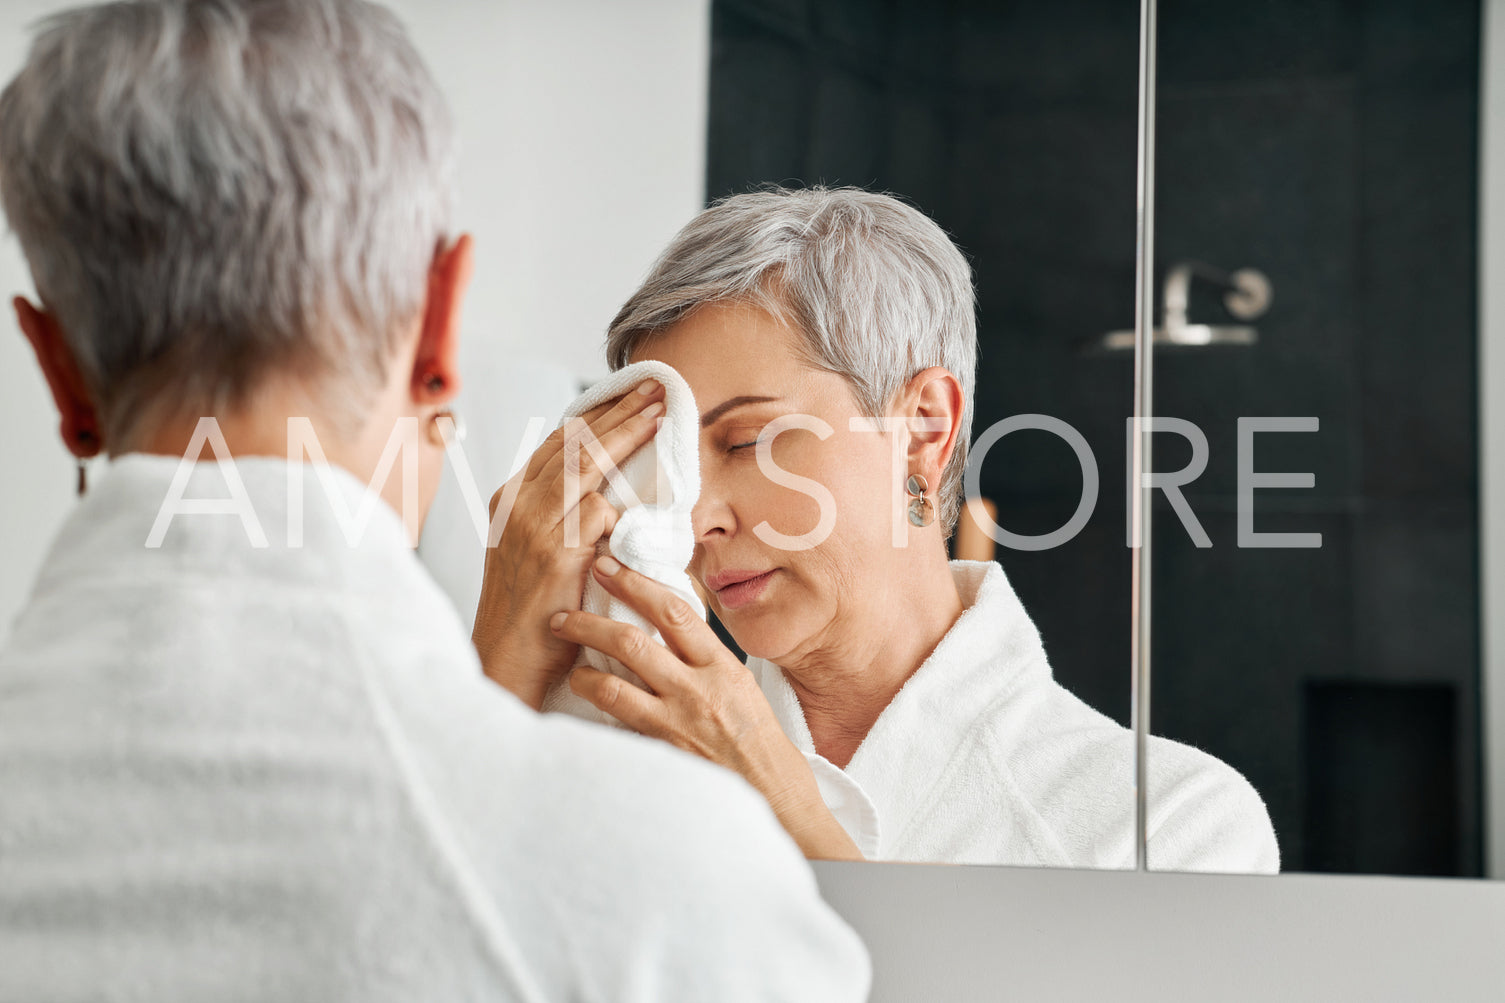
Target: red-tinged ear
[[79, 423], [436, 364]]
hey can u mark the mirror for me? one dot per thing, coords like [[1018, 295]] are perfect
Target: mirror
[[1318, 219]]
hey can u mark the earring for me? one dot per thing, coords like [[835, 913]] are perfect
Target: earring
[[433, 383], [446, 428], [921, 511], [85, 438]]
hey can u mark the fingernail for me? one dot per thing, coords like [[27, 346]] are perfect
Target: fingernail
[[648, 387], [607, 566], [654, 410], [557, 620]]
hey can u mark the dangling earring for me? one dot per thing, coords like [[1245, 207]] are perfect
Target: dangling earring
[[921, 511], [446, 428]]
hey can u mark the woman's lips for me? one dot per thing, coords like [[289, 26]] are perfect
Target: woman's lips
[[741, 587]]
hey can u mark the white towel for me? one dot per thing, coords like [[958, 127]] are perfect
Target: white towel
[[654, 536]]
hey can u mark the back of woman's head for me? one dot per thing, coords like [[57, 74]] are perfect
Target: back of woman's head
[[210, 191], [875, 288]]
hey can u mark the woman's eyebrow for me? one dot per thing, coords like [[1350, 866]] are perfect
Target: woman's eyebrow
[[715, 414]]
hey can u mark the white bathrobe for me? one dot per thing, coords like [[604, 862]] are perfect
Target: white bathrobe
[[230, 772], [984, 758]]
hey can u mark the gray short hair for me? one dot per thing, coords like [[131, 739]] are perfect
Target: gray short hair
[[210, 190], [876, 288]]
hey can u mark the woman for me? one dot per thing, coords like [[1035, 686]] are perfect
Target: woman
[[246, 749], [917, 689]]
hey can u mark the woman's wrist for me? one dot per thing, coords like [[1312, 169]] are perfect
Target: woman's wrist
[[789, 787], [778, 770], [502, 668]]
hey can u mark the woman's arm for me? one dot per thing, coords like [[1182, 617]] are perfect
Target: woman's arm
[[530, 571], [704, 701]]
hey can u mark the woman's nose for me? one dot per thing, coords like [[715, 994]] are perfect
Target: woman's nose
[[711, 515]]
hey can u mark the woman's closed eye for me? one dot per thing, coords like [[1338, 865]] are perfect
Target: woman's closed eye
[[742, 439]]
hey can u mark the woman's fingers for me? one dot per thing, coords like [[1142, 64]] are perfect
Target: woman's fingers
[[603, 417], [599, 451], [598, 517], [653, 663], [601, 438], [684, 630], [624, 406], [638, 710]]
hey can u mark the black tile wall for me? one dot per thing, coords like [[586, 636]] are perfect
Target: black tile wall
[[1260, 42], [1418, 359], [1369, 747], [762, 129], [1074, 50], [1416, 622], [849, 127], [919, 42]]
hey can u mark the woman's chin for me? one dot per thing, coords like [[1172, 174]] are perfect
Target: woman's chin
[[756, 633]]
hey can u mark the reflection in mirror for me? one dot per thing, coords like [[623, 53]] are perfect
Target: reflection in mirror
[[1317, 607], [921, 693]]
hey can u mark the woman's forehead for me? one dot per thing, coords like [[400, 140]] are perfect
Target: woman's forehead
[[736, 349], [723, 343]]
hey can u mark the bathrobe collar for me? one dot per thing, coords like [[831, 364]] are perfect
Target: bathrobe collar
[[931, 726], [351, 538]]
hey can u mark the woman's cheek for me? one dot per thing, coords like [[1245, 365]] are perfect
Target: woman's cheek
[[795, 507], [798, 513], [784, 509]]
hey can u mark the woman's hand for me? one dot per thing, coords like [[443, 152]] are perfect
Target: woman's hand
[[704, 701], [553, 518]]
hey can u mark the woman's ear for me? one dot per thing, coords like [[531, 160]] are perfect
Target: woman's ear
[[934, 395], [436, 363], [79, 425]]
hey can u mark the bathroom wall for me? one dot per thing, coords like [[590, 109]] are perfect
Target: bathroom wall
[[582, 125], [38, 486]]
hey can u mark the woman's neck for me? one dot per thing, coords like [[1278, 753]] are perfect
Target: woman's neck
[[845, 685], [263, 427]]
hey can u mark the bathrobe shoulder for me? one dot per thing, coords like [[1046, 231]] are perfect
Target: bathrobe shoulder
[[233, 771], [983, 757]]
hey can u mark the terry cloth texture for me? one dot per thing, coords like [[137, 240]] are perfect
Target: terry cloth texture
[[258, 771], [654, 491]]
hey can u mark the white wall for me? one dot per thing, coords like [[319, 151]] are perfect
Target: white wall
[[583, 124], [38, 479], [583, 132]]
